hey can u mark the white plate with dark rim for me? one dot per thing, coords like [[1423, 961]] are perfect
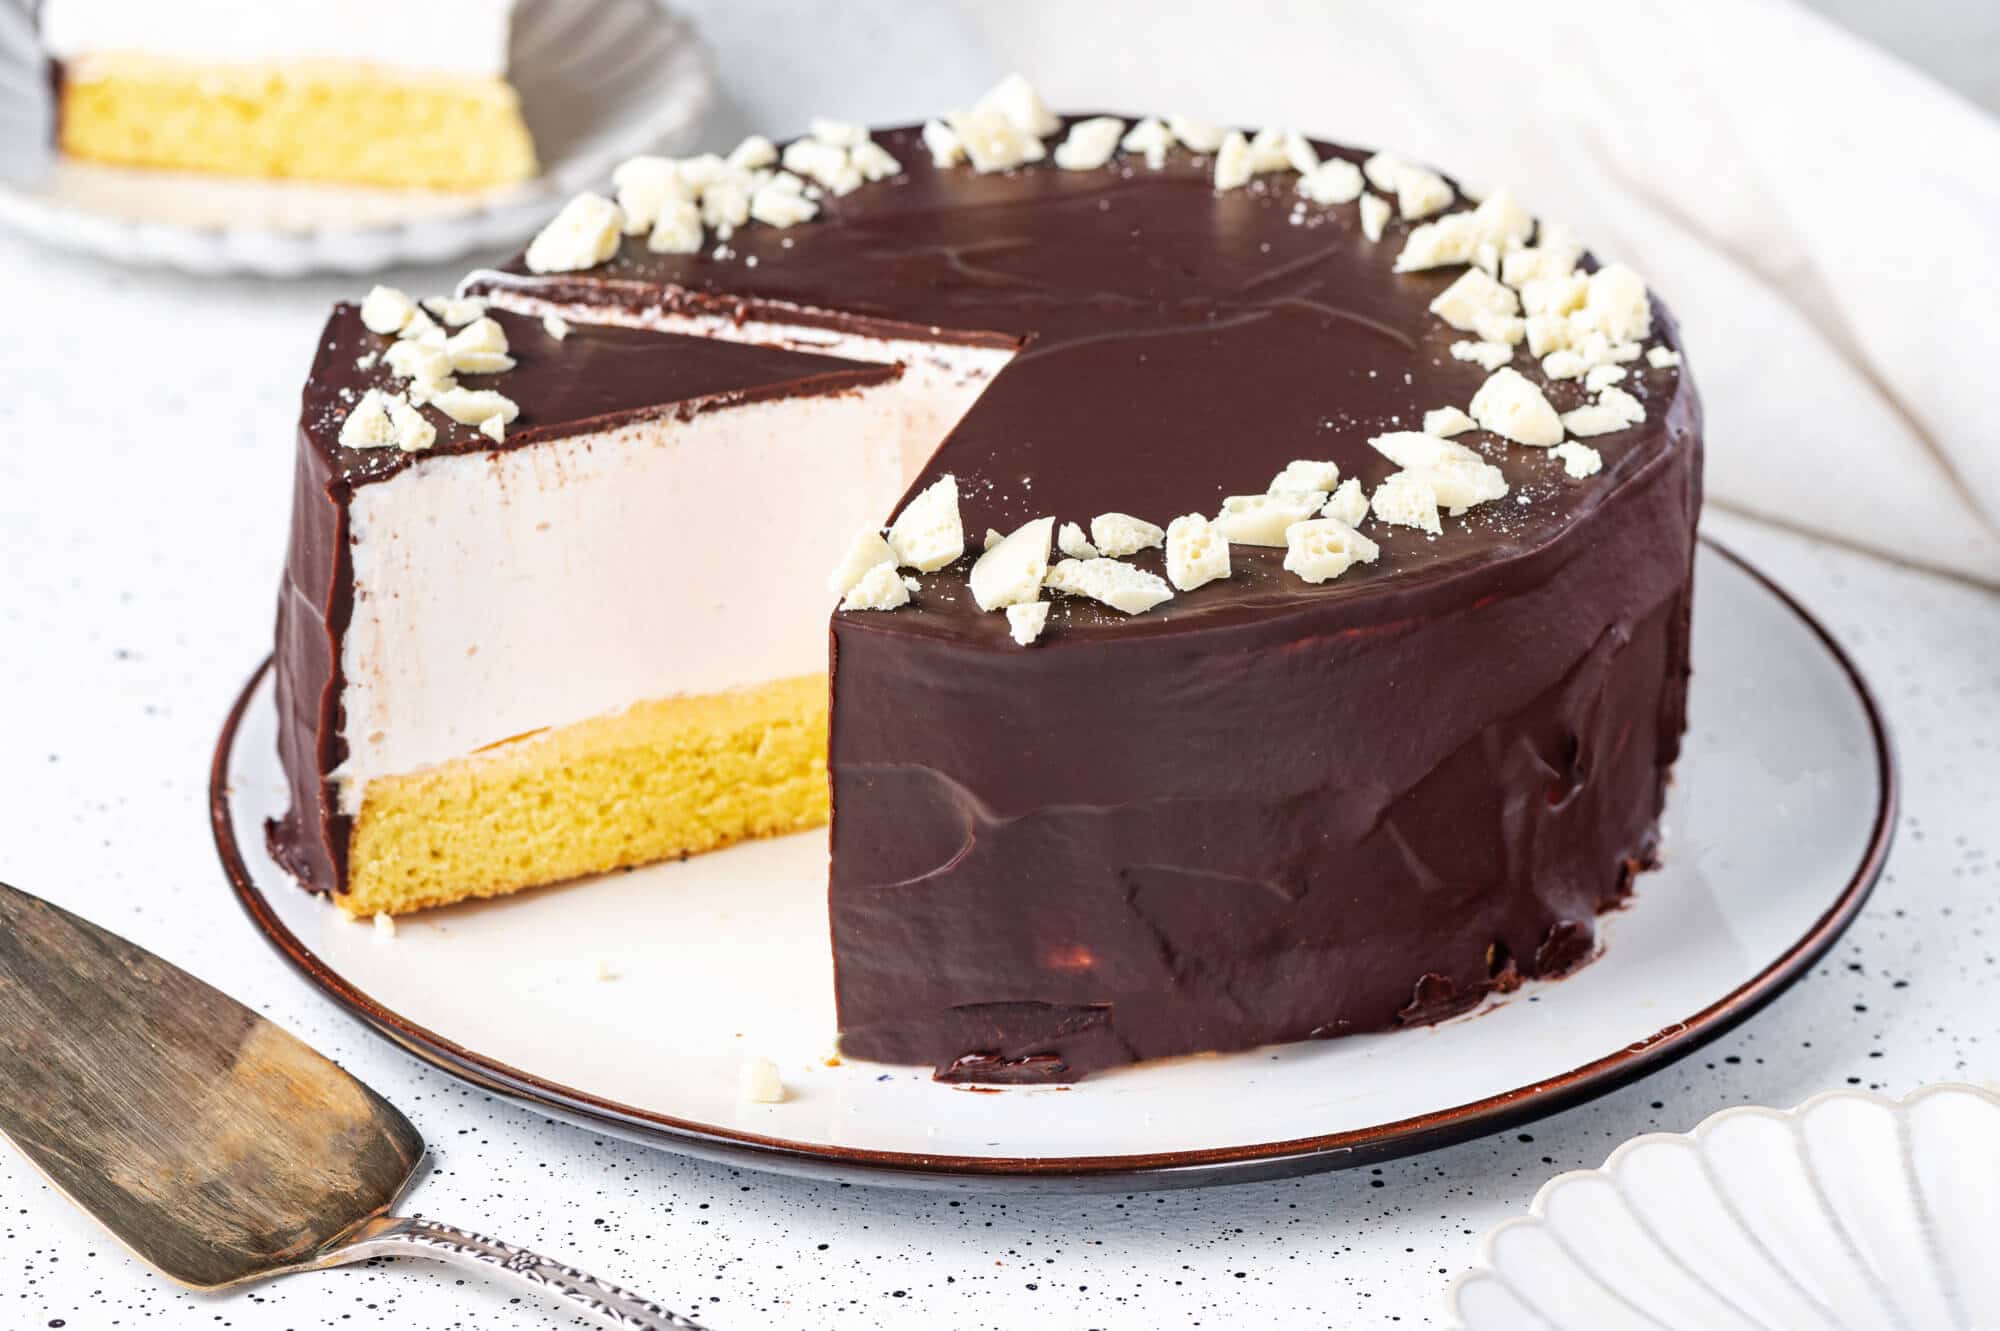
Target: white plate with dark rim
[[600, 81], [1775, 831]]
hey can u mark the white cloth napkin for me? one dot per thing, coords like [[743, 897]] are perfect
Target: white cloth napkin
[[1824, 220]]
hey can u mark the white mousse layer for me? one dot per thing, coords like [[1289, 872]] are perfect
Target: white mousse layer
[[467, 37], [556, 582]]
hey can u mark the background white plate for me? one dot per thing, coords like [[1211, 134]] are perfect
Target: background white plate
[[600, 81], [1774, 833], [1849, 1213]]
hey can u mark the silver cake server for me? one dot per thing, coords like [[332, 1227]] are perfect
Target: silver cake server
[[213, 1144]]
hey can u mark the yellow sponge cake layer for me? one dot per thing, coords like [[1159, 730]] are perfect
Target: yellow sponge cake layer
[[655, 781], [309, 120]]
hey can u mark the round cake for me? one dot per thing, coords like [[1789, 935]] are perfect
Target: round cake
[[1280, 628]]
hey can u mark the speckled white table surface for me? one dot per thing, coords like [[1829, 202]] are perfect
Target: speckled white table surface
[[145, 453]]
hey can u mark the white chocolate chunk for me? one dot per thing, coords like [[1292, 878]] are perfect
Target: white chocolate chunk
[[942, 140], [419, 361], [779, 205], [1300, 474], [494, 428], [1555, 295], [584, 234], [1503, 328], [1374, 216], [1449, 240], [1503, 223], [423, 328], [1547, 333], [472, 406], [994, 142], [479, 348], [385, 925], [993, 538], [1026, 622], [385, 310], [1232, 162], [1474, 294], [928, 533], [1617, 305], [1662, 358], [677, 230], [1512, 407], [1324, 548], [1407, 500], [1336, 180], [1459, 478], [555, 326], [873, 161], [843, 134], [1601, 377], [758, 1082], [1011, 573], [1448, 421], [1579, 460], [456, 311], [367, 424], [1262, 519], [1072, 542], [1564, 364], [753, 154], [1197, 553], [1016, 99], [1486, 355], [1281, 150], [1622, 402], [414, 434], [644, 186], [824, 164], [1117, 535], [1151, 137], [725, 205], [1090, 143], [880, 588], [1415, 449], [1348, 503], [1383, 171], [1420, 193], [1198, 135], [864, 552], [1126, 589]]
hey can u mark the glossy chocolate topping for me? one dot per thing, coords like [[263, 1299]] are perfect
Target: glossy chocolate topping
[[595, 378]]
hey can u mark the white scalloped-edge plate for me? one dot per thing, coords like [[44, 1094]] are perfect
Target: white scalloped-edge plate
[[1849, 1213], [600, 80]]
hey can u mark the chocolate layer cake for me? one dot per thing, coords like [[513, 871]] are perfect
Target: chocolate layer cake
[[1324, 793]]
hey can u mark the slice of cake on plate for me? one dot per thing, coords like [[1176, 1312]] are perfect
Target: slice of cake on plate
[[366, 92]]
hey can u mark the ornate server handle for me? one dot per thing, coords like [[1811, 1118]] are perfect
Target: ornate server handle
[[397, 1236]]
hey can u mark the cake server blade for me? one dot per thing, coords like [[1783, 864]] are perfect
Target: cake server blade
[[215, 1145]]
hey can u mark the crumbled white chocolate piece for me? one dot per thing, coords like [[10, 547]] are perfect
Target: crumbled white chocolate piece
[[1262, 519], [1026, 622], [427, 367], [1459, 478], [1452, 239], [1197, 553], [944, 145], [1117, 535], [584, 234], [1011, 572], [873, 161], [1622, 402], [1232, 161], [1486, 258], [1407, 500], [1126, 589], [1512, 407], [1324, 548], [456, 311], [759, 1083], [993, 538], [677, 228], [385, 925], [1504, 328], [880, 588], [1347, 503], [1072, 542], [994, 142], [1617, 305], [1383, 171], [781, 205], [1579, 460], [1555, 253], [385, 310], [1416, 449], [1614, 409], [1090, 143], [1547, 333], [1564, 364], [1474, 294], [555, 326], [1374, 215], [1151, 137], [1662, 358], [1555, 295], [367, 424], [928, 533], [829, 167], [864, 552], [494, 428], [1301, 474], [471, 406], [414, 434], [753, 154], [1448, 421], [1336, 180], [836, 133], [1420, 193], [725, 205], [1503, 223], [1486, 355], [1281, 150], [1198, 135], [422, 328], [1601, 377], [1016, 99], [479, 348], [644, 185]]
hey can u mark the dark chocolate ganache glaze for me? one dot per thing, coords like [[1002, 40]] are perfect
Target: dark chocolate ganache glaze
[[593, 378], [1266, 810]]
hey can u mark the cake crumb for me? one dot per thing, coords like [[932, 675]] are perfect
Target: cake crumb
[[758, 1082]]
